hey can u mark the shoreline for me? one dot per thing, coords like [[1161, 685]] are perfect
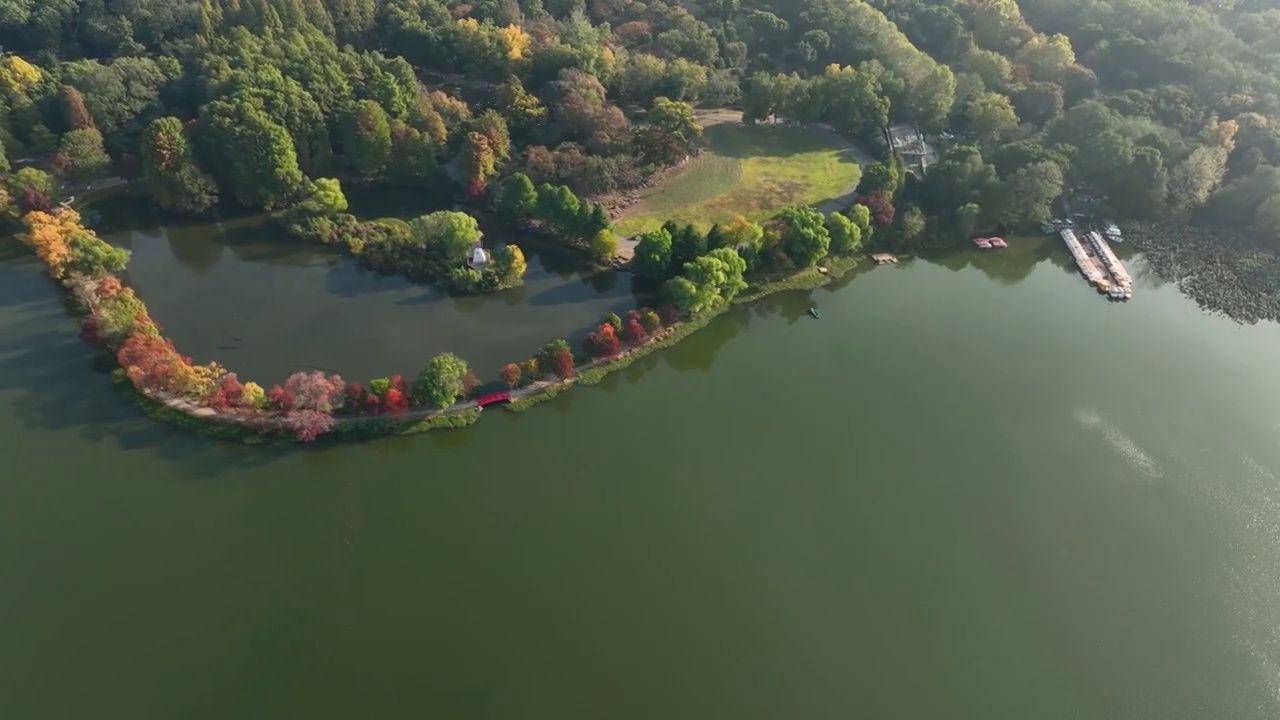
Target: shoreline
[[264, 429]]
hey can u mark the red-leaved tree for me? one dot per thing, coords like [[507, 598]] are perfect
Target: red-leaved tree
[[32, 200], [603, 342], [151, 362], [228, 395], [633, 332], [355, 396], [396, 403], [563, 363], [670, 314], [282, 399], [307, 425], [880, 206], [373, 404]]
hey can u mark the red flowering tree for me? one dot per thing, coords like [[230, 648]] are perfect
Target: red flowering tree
[[373, 404], [307, 425], [398, 382], [229, 394], [880, 206], [355, 396], [282, 399], [563, 363], [603, 342], [634, 333], [316, 391], [396, 403]]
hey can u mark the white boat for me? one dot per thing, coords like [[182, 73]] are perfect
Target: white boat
[[1112, 231]]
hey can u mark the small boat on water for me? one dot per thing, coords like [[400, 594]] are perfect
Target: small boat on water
[[983, 243], [1112, 231], [998, 242], [814, 312]]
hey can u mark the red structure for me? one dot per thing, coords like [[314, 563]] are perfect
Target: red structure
[[494, 398]]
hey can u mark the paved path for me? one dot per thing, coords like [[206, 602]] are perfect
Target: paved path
[[627, 246]]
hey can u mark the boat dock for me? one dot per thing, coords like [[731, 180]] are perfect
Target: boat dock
[[1109, 259], [884, 258], [1098, 263], [1089, 266]]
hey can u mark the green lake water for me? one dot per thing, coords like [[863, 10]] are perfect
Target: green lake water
[[973, 489]]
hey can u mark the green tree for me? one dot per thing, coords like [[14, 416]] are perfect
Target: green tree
[[675, 118], [81, 156], [1194, 179], [252, 155], [684, 294], [367, 139], [174, 179], [879, 177], [861, 216], [441, 380], [449, 233], [1034, 188], [911, 225], [604, 245], [558, 207], [326, 198], [508, 265], [413, 153], [990, 115], [846, 237], [524, 112], [653, 255], [687, 245], [804, 234], [967, 218], [517, 199]]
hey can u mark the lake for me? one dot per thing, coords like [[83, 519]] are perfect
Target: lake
[[973, 489]]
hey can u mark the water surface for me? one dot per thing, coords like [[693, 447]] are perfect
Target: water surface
[[973, 489]]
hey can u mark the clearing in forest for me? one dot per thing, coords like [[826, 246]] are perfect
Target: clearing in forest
[[750, 170]]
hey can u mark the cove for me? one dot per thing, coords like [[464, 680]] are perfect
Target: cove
[[241, 293], [972, 489]]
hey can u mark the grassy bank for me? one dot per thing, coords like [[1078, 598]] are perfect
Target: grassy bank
[[750, 170], [807, 279]]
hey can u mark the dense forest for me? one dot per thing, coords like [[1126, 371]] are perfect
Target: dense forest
[[1168, 107]]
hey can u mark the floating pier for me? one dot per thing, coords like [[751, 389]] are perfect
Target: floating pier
[[1109, 260], [1089, 267], [1100, 267]]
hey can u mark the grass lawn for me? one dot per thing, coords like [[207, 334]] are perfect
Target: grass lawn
[[747, 170]]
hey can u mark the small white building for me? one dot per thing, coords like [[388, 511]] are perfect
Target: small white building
[[479, 256]]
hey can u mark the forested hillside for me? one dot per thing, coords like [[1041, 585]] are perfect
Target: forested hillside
[[1168, 107]]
